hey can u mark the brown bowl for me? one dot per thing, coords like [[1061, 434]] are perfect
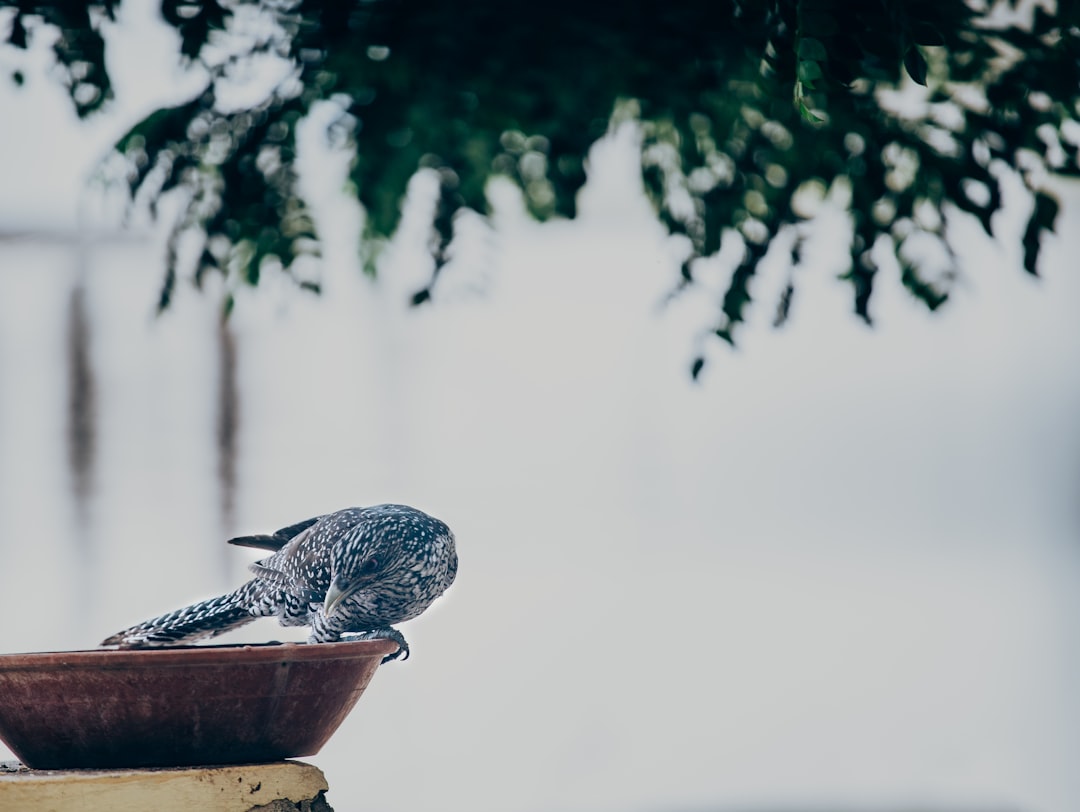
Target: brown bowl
[[180, 706]]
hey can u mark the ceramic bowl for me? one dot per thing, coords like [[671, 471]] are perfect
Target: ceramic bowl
[[180, 706]]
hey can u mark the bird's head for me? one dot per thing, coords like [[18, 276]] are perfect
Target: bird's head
[[355, 567], [393, 546]]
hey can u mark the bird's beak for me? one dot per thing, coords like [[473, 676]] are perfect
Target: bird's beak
[[334, 596]]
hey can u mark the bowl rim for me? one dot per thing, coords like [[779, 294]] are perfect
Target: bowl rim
[[239, 653]]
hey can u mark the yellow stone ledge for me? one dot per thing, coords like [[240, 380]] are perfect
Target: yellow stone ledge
[[277, 787]]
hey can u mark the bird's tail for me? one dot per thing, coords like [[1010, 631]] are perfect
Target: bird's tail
[[199, 621]]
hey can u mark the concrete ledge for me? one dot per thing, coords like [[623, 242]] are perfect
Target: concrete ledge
[[282, 786]]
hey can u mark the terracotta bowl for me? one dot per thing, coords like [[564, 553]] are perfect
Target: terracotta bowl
[[180, 706]]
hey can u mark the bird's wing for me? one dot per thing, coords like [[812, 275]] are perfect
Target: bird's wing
[[276, 540], [275, 577], [296, 567]]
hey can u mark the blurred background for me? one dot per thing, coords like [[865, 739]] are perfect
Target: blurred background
[[842, 570]]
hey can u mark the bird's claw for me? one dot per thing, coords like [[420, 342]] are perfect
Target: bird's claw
[[382, 634]]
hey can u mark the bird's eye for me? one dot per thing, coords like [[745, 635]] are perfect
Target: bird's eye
[[370, 565]]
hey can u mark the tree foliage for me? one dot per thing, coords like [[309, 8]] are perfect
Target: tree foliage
[[748, 111]]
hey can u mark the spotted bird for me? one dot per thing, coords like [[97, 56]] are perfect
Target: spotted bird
[[349, 575]]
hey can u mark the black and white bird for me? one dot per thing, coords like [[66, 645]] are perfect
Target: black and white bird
[[349, 575]]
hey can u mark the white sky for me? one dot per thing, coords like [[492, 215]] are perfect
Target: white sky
[[842, 570]]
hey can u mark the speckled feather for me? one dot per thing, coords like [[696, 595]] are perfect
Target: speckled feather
[[391, 560]]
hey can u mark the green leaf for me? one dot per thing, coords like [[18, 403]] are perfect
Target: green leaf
[[783, 306], [1042, 219], [915, 63], [922, 290], [810, 48]]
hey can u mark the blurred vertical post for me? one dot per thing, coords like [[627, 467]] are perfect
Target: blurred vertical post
[[81, 419], [228, 418]]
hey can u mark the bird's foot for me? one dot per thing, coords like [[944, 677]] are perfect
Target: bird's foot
[[387, 633]]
